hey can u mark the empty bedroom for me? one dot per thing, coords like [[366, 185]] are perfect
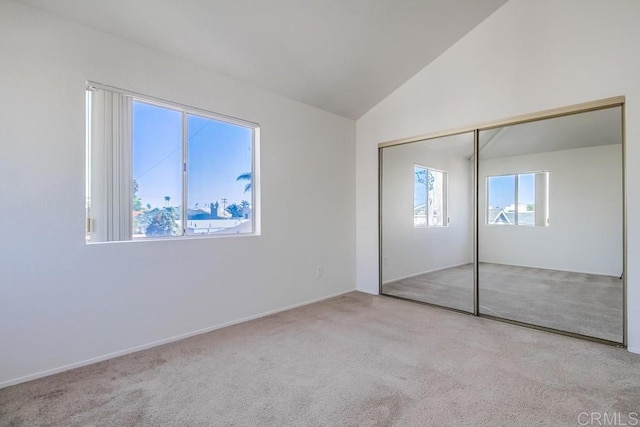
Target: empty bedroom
[[322, 212]]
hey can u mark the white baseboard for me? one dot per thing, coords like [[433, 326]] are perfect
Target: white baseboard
[[103, 357]]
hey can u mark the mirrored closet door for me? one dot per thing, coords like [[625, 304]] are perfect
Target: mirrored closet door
[[550, 223], [426, 211], [520, 220]]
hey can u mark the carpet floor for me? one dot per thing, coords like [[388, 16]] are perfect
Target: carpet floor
[[353, 360], [586, 304]]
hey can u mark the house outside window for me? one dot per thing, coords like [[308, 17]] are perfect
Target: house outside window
[[518, 199]]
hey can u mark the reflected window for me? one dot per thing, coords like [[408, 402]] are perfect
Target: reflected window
[[429, 197], [518, 199]]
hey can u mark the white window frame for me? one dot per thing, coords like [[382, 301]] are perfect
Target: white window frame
[[445, 198], [541, 211], [110, 155]]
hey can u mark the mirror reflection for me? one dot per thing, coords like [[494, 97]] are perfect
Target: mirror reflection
[[550, 212], [427, 221]]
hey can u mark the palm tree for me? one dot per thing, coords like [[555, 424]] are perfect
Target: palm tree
[[244, 208], [166, 199], [245, 177]]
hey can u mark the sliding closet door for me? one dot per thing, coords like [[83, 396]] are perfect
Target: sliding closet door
[[550, 223], [426, 214]]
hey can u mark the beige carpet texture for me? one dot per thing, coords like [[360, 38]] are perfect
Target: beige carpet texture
[[353, 360]]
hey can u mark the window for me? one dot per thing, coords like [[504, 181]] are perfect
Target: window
[[161, 170], [429, 197], [518, 199]]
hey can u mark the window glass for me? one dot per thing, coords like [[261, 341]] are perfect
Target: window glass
[[526, 199], [501, 199], [157, 171], [436, 199], [219, 192], [518, 199], [419, 196], [429, 197]]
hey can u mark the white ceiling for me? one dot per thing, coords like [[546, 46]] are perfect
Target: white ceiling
[[343, 56]]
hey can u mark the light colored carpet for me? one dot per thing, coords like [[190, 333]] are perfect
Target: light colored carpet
[[449, 287], [353, 360], [586, 304]]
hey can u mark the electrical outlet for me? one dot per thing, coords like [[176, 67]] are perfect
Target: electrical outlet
[[319, 272]]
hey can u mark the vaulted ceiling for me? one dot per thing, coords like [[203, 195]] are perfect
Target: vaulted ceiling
[[343, 56]]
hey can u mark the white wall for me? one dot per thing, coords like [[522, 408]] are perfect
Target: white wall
[[409, 250], [528, 56], [585, 211], [63, 302]]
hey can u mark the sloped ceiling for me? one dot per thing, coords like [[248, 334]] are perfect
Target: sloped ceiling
[[343, 56]]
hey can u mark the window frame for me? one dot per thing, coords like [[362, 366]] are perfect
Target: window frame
[[445, 198], [185, 111], [516, 176]]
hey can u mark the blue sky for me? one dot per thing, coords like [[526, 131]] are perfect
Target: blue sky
[[502, 190], [218, 153]]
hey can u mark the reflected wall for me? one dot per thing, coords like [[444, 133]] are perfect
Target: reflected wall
[[427, 221], [550, 223]]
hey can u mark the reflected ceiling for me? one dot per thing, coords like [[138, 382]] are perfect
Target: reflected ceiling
[[600, 127]]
